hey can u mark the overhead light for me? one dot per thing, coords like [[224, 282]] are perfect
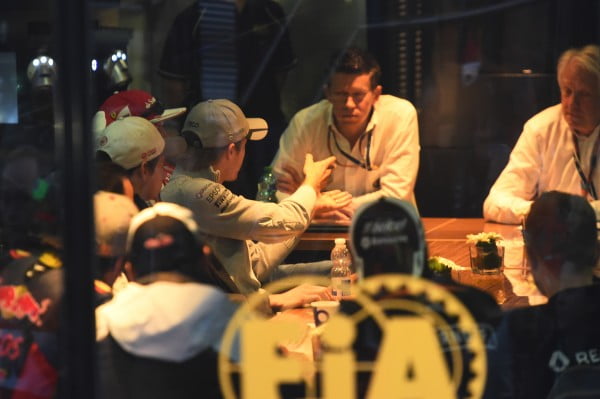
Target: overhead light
[[117, 70], [41, 72]]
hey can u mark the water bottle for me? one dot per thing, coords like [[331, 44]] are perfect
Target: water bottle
[[267, 186], [340, 271]]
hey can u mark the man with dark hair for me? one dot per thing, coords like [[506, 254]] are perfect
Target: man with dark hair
[[374, 137], [536, 344]]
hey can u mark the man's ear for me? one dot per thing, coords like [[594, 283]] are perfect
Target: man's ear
[[128, 270], [377, 92], [326, 91], [231, 150]]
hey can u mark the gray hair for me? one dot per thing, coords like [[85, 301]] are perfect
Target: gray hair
[[587, 58]]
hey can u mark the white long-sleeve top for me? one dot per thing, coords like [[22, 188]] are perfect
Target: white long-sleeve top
[[394, 149], [542, 160], [231, 224]]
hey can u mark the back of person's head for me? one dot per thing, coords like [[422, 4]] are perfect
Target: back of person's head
[[387, 235], [131, 141], [561, 229], [112, 215], [112, 177], [164, 238], [211, 126], [587, 58], [356, 61]]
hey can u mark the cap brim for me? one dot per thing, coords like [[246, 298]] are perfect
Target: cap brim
[[169, 114], [258, 128]]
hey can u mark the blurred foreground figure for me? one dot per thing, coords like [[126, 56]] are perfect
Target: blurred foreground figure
[[387, 238], [537, 344], [31, 277], [159, 336]]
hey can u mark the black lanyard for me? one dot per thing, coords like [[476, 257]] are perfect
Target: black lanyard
[[587, 184], [367, 163]]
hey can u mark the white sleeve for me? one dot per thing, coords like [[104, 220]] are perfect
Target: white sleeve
[[399, 171], [292, 148], [513, 192], [221, 213]]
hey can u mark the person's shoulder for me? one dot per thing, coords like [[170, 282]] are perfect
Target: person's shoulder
[[389, 104], [545, 118], [316, 111]]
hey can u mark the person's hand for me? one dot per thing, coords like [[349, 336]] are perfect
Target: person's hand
[[289, 180], [338, 215], [316, 173], [299, 296], [332, 200]]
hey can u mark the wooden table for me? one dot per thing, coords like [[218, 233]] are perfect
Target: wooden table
[[446, 237]]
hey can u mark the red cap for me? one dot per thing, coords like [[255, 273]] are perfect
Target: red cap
[[132, 103]]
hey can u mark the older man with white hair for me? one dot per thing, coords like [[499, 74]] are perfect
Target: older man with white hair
[[558, 148]]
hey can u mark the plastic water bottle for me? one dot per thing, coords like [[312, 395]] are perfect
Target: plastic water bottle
[[340, 272], [267, 186]]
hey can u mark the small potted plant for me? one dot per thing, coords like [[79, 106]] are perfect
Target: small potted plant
[[440, 271], [487, 256]]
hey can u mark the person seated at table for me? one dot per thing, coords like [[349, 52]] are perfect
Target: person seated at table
[[558, 147], [135, 144], [536, 344], [248, 237], [387, 237], [374, 137], [135, 102], [159, 336]]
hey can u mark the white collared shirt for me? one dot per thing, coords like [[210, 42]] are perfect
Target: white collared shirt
[[542, 160], [394, 149]]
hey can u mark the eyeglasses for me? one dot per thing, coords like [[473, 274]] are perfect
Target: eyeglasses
[[342, 96]]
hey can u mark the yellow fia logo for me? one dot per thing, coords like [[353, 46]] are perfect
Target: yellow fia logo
[[410, 363]]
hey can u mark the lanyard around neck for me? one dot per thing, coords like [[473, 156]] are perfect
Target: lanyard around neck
[[587, 184], [367, 162]]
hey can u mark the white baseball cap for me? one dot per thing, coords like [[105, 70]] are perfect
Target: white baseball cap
[[131, 141], [217, 123], [183, 214]]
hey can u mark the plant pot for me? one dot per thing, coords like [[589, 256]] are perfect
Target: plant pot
[[486, 259]]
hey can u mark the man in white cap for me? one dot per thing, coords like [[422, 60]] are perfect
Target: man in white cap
[[248, 237], [136, 144]]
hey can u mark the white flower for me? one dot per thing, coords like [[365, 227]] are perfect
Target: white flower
[[484, 237]]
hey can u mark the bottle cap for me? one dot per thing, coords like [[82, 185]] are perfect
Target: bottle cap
[[339, 241]]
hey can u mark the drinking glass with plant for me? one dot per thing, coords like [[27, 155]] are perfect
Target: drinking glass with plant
[[486, 254]]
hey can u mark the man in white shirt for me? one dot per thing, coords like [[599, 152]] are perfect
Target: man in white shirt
[[374, 137], [559, 147]]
